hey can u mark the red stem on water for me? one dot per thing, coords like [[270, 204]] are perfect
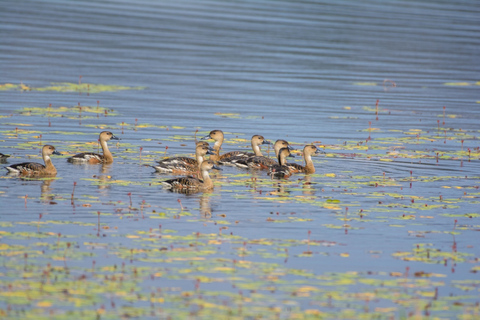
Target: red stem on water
[[73, 191], [98, 226]]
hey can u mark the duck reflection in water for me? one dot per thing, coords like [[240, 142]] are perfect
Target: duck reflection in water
[[280, 189], [46, 194], [46, 190], [104, 177], [205, 206], [307, 187]]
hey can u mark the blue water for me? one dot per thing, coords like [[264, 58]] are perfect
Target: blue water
[[300, 71]]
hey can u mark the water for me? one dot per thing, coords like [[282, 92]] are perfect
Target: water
[[307, 72]]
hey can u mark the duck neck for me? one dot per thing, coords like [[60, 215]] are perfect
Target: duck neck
[[217, 146], [49, 167], [256, 149], [207, 182], [309, 167], [107, 155], [199, 158], [282, 159], [277, 149]]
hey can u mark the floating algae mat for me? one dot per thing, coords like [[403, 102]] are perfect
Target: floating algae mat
[[108, 242], [68, 87], [386, 228]]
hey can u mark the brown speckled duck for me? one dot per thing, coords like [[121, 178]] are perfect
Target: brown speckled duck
[[183, 165], [308, 151], [262, 162], [34, 168], [230, 158], [281, 170], [94, 158], [191, 183]]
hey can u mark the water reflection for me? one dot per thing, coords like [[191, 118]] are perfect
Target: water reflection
[[104, 178], [279, 189], [205, 206], [307, 187], [46, 194]]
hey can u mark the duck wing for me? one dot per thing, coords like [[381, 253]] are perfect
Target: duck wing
[[230, 158], [294, 167], [255, 162], [183, 183], [86, 157], [181, 164], [26, 167]]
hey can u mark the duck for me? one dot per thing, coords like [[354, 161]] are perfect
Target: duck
[[182, 165], [203, 143], [230, 158], [281, 170], [94, 158], [309, 168], [3, 157], [190, 183], [218, 136], [262, 162], [34, 168]]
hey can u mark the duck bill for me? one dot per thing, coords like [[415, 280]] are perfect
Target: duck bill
[[217, 168], [266, 142], [206, 137], [115, 138]]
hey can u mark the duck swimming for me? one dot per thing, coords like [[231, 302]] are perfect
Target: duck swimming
[[262, 162], [191, 183], [34, 168], [218, 136], [94, 158], [281, 170], [4, 157], [182, 165], [308, 151], [230, 158]]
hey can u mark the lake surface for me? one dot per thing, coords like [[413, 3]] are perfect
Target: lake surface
[[386, 228]]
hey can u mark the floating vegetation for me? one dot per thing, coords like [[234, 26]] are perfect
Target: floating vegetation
[[69, 87], [106, 241], [74, 112]]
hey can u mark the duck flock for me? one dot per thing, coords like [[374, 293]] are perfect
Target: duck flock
[[195, 176]]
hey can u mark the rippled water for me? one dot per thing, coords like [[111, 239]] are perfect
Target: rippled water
[[308, 72]]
